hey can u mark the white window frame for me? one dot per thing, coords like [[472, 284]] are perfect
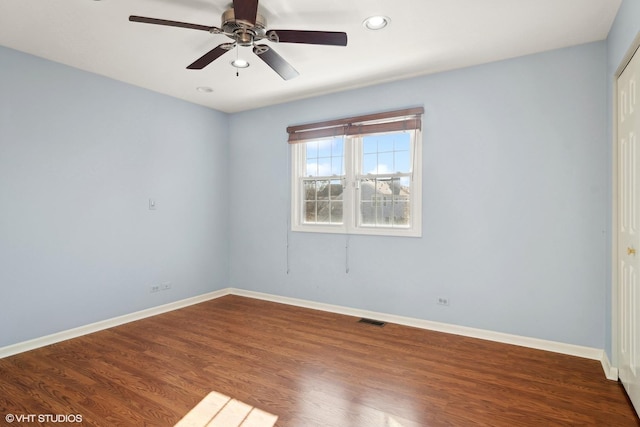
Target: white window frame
[[351, 196]]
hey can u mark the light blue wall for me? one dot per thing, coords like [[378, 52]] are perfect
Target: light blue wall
[[515, 202], [79, 157]]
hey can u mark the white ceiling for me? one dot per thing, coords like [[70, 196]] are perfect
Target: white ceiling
[[425, 36]]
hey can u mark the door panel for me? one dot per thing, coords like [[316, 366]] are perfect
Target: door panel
[[628, 129]]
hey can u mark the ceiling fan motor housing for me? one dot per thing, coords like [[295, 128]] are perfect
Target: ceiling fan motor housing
[[243, 32]]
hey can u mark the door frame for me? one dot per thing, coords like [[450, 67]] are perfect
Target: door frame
[[615, 326]]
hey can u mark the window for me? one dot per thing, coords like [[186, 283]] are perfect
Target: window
[[360, 175]]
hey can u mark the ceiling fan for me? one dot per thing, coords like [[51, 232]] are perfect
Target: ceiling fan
[[244, 26]]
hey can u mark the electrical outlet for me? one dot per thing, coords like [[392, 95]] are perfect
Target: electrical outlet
[[443, 301], [154, 288], [165, 286]]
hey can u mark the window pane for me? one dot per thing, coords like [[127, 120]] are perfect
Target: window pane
[[335, 195], [322, 190], [312, 149], [385, 142], [309, 190], [401, 197], [324, 166], [385, 163], [369, 145], [337, 166], [402, 142], [401, 152], [401, 213], [369, 163], [368, 201], [336, 212], [311, 168], [336, 189], [324, 212], [324, 148], [401, 162], [337, 147], [367, 213], [310, 211]]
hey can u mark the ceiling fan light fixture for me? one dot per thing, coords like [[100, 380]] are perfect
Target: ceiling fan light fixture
[[376, 22], [240, 63]]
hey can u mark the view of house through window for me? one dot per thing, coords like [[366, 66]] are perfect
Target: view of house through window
[[323, 181], [384, 180], [361, 183]]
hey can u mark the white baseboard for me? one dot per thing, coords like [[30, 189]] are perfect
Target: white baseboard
[[21, 347], [610, 372], [556, 347], [553, 346]]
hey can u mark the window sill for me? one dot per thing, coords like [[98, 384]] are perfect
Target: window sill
[[365, 231]]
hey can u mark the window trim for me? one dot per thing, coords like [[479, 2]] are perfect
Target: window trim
[[352, 156]]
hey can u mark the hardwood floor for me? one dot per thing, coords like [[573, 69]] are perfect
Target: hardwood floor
[[310, 368]]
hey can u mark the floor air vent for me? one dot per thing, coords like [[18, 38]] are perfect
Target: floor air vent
[[372, 322]]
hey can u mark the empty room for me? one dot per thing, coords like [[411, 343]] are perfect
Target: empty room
[[294, 213]]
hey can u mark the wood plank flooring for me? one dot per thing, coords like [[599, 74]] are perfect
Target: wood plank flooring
[[308, 367]]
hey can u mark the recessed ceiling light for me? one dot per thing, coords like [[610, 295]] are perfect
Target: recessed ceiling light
[[377, 22], [239, 63], [204, 89]]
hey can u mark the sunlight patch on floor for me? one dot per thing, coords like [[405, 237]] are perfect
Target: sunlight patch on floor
[[218, 410]]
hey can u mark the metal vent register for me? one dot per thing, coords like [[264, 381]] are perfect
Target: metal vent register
[[372, 322]]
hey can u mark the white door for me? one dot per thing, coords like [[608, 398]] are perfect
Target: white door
[[628, 122]]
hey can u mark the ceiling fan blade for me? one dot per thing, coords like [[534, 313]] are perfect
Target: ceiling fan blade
[[156, 21], [245, 10], [210, 56], [275, 61], [332, 38]]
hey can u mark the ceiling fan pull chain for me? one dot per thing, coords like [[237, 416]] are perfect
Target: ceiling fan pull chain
[[237, 57]]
